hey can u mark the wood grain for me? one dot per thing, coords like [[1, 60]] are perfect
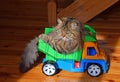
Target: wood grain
[[17, 29], [85, 10], [52, 12]]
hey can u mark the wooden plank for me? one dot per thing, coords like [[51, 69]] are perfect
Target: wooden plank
[[85, 10], [113, 25], [22, 22], [52, 12], [23, 7]]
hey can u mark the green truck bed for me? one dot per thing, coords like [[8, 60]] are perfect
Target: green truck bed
[[53, 55]]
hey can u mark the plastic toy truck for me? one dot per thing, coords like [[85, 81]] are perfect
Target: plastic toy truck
[[90, 58]]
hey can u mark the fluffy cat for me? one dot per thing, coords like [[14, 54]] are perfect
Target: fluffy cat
[[67, 36]]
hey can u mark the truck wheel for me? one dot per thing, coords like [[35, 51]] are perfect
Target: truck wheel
[[49, 69], [94, 70]]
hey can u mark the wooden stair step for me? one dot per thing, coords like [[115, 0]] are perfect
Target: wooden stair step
[[85, 10]]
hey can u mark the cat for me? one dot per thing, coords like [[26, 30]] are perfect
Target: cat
[[67, 36]]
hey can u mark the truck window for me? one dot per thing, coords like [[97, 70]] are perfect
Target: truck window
[[91, 51]]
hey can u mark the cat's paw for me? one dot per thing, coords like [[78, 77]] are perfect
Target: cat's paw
[[43, 37]]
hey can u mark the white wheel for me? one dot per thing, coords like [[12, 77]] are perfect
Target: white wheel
[[49, 69], [94, 70]]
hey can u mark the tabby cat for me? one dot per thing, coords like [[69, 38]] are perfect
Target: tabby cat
[[67, 36]]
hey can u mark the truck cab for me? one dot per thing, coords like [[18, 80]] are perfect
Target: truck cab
[[90, 58], [91, 50], [94, 59]]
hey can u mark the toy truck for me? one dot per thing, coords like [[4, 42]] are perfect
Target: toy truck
[[90, 58]]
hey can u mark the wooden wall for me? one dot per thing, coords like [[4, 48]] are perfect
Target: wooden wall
[[23, 12], [26, 12]]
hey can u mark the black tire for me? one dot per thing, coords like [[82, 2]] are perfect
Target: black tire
[[94, 70], [49, 68]]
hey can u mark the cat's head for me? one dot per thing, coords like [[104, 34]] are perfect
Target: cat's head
[[74, 24], [69, 23]]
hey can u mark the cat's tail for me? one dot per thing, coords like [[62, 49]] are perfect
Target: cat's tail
[[29, 56]]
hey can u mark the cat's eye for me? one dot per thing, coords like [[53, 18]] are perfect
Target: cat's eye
[[74, 25]]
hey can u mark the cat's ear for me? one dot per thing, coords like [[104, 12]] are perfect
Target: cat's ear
[[59, 21], [64, 18]]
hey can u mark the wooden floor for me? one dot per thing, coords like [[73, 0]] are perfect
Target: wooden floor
[[16, 32]]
